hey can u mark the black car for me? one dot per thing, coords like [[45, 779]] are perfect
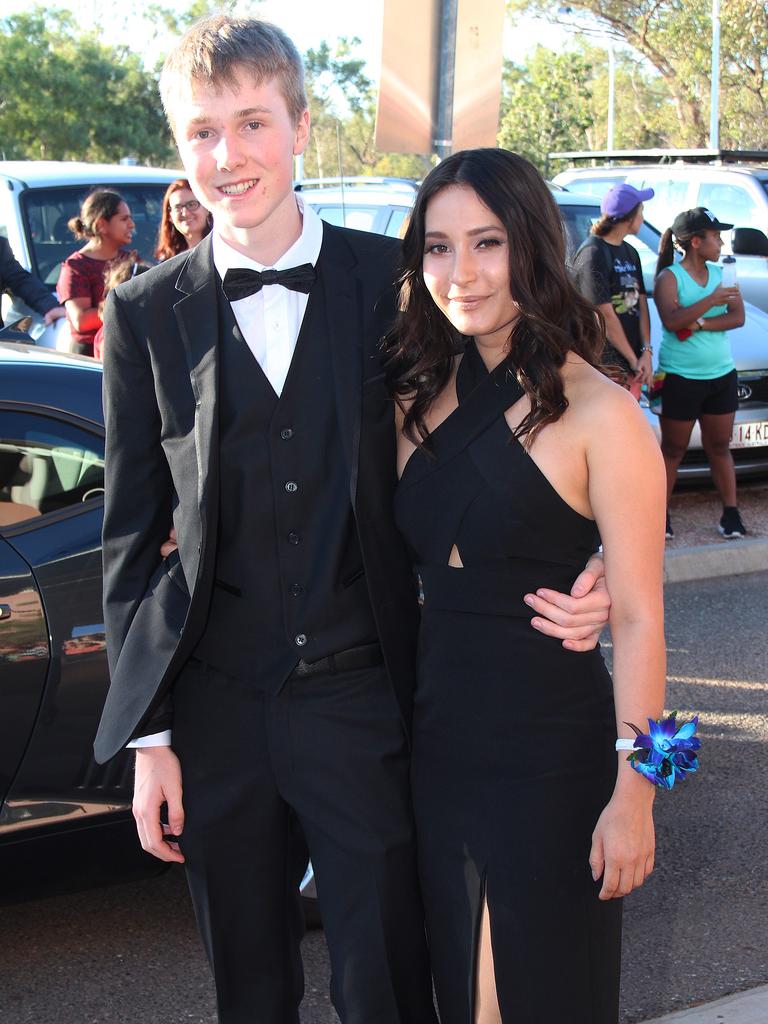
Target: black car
[[63, 818], [65, 821]]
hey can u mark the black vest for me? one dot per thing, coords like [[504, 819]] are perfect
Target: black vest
[[289, 572]]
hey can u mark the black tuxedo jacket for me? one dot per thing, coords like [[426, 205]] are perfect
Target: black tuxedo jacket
[[161, 414], [18, 281]]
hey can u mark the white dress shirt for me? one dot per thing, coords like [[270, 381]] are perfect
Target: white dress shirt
[[270, 322]]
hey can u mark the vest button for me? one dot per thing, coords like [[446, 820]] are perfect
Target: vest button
[[300, 640], [296, 590], [293, 537], [291, 486], [286, 433]]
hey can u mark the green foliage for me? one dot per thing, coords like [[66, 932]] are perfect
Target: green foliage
[[67, 96], [547, 105], [675, 37], [342, 103], [178, 22]]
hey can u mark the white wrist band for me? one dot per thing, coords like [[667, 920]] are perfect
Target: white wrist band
[[625, 744]]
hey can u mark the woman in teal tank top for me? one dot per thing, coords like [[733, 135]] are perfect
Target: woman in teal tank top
[[700, 384]]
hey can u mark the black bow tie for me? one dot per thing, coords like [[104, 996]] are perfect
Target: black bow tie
[[240, 283]]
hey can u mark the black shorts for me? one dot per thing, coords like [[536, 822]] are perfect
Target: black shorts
[[686, 399]]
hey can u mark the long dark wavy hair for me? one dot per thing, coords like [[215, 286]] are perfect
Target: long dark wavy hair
[[553, 318]]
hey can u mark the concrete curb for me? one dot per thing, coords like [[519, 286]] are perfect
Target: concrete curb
[[708, 560], [743, 1008]]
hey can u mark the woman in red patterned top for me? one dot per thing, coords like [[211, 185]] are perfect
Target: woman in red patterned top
[[106, 224]]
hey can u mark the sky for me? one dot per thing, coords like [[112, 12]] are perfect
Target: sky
[[308, 22]]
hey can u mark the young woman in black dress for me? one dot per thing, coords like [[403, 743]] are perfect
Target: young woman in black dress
[[517, 457]]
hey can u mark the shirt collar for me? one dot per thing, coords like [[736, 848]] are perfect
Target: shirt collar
[[306, 248]]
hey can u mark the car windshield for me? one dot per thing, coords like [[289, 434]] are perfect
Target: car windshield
[[46, 212]]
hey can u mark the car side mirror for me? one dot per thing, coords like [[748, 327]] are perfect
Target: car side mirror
[[749, 242]]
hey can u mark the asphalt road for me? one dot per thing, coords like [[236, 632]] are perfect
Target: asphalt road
[[698, 929]]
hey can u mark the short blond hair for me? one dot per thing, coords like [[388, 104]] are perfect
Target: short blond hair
[[215, 48]]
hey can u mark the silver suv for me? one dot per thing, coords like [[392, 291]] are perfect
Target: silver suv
[[381, 205], [736, 193]]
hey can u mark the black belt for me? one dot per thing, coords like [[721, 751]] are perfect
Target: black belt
[[342, 661]]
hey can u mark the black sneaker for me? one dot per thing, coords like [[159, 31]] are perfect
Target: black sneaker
[[731, 525], [669, 533]]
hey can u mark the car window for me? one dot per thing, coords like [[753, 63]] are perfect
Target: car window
[[593, 186], [46, 212], [46, 465], [577, 220], [362, 218], [671, 198], [729, 203], [397, 219], [646, 240]]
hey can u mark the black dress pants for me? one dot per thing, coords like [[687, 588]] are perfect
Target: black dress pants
[[329, 752]]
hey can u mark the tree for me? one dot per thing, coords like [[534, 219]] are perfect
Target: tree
[[342, 102], [546, 105], [67, 96], [675, 37]]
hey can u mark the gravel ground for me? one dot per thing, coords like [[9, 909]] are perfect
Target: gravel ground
[[695, 515]]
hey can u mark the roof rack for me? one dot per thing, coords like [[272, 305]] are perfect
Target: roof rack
[[666, 156], [396, 184]]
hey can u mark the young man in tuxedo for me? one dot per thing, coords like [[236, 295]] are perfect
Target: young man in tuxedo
[[268, 662]]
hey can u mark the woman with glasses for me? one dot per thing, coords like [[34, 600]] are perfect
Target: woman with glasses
[[184, 221]]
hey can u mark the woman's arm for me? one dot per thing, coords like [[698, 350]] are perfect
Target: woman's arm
[[733, 318], [645, 362], [615, 333], [676, 317], [627, 495], [83, 316]]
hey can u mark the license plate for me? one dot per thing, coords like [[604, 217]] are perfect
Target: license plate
[[749, 435]]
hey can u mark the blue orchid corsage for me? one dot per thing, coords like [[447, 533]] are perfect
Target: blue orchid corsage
[[667, 751]]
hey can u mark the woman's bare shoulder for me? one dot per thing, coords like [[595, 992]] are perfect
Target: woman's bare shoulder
[[593, 397]]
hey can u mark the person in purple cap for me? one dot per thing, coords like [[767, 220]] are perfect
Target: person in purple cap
[[608, 272]]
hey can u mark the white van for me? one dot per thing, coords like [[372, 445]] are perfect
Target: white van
[[37, 199]]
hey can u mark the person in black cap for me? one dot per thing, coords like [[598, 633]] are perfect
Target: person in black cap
[[15, 279], [700, 381], [608, 272]]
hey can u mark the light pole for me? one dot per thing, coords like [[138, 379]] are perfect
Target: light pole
[[611, 78], [714, 105], [611, 92]]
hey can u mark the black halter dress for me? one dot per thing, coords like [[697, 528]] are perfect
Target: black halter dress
[[513, 757]]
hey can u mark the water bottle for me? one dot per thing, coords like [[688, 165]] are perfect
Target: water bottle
[[730, 280]]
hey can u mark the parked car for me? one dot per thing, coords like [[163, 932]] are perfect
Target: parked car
[[38, 198], [64, 820], [737, 194], [381, 205]]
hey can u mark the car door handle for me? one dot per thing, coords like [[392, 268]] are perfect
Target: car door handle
[[5, 611]]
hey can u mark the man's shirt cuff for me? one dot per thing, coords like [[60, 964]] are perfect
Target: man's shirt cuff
[[155, 739]]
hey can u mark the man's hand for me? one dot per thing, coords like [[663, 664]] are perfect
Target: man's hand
[[54, 314], [158, 782], [169, 546], [577, 618]]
